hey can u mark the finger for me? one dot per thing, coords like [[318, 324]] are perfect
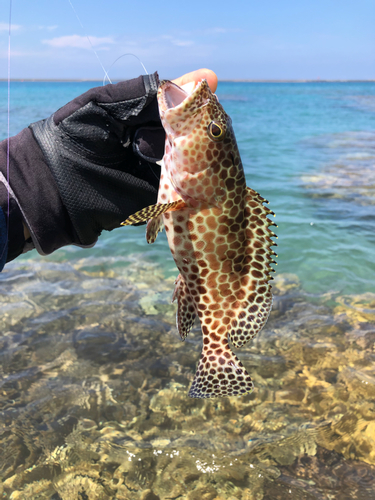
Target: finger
[[198, 75]]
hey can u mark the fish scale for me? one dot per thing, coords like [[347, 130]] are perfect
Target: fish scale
[[218, 233]]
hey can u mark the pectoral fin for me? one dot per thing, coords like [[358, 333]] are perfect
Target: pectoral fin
[[153, 211]]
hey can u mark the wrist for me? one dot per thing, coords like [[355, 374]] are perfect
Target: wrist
[[41, 212]]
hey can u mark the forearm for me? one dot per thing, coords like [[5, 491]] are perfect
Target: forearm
[[34, 201]]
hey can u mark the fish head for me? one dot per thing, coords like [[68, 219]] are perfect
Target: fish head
[[199, 141]]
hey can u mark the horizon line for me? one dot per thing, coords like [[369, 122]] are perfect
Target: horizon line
[[235, 80]]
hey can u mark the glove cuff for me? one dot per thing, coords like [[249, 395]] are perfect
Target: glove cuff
[[34, 199]]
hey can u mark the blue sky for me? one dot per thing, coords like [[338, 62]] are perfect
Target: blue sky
[[273, 39]]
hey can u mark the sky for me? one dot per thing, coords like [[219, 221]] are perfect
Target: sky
[[257, 40]]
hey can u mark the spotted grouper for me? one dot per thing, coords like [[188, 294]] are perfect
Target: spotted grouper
[[218, 233]]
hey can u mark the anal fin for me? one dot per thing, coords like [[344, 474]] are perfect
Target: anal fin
[[153, 211], [185, 307]]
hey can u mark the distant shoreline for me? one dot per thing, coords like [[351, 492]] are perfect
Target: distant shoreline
[[68, 80]]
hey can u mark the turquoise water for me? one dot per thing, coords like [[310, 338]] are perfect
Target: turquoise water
[[94, 378], [307, 147]]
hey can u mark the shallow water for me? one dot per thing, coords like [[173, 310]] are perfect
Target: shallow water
[[94, 377]]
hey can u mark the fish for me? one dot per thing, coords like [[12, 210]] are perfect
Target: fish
[[218, 232]]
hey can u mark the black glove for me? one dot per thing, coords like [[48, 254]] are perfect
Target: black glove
[[101, 150]]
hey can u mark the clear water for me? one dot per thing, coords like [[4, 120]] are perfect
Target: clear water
[[308, 148], [94, 389]]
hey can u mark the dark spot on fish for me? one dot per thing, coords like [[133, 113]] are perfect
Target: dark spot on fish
[[214, 337]]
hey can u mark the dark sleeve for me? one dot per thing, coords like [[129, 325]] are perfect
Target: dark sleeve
[[34, 198], [12, 231]]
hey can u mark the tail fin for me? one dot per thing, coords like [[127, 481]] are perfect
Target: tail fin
[[220, 375]]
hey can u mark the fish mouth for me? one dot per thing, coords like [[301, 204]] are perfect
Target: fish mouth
[[172, 96]]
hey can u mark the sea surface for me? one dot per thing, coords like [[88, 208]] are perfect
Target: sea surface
[[94, 379]]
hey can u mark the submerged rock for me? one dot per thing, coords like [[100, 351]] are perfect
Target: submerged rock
[[351, 174], [94, 397]]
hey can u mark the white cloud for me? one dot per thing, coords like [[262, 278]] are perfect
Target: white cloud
[[14, 53], [173, 40], [183, 43], [219, 30], [78, 41], [5, 27], [48, 28]]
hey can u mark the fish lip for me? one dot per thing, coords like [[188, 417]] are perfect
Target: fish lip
[[179, 97]]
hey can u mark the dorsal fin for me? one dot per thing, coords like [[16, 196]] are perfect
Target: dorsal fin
[[257, 305]]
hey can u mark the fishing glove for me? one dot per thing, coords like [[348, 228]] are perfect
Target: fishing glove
[[89, 166]]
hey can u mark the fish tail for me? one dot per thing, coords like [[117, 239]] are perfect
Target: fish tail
[[220, 374]]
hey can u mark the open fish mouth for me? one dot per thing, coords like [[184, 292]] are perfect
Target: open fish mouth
[[172, 96]]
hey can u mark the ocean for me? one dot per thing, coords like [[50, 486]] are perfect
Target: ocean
[[95, 379]]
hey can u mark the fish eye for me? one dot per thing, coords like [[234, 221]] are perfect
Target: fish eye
[[215, 131]]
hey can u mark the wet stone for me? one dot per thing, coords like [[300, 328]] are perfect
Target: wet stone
[[160, 368], [94, 395], [149, 495]]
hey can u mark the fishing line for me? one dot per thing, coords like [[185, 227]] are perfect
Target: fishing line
[[88, 38], [106, 76], [152, 170], [115, 61]]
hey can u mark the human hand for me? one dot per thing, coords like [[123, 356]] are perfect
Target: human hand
[[95, 158], [196, 76]]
